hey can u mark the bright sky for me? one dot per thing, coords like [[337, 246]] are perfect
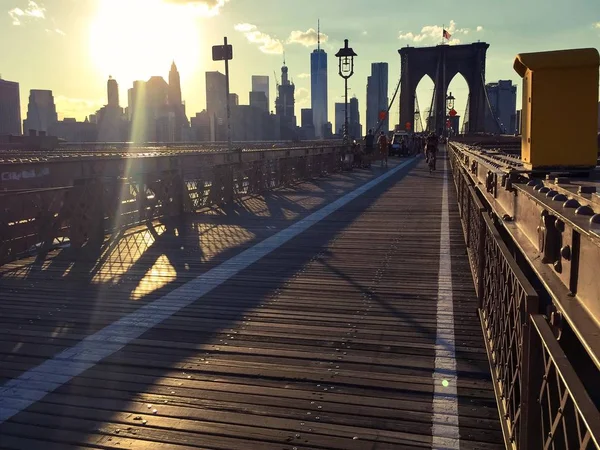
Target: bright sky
[[72, 46]]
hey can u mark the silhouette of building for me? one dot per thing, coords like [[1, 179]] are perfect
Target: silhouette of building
[[174, 90], [307, 126], [260, 83], [318, 87], [259, 100], [284, 106], [200, 127], [10, 108], [354, 126], [502, 96], [72, 131], [110, 120], [340, 116], [234, 100], [113, 92], [156, 111], [249, 123], [41, 111], [216, 91], [177, 106], [377, 96], [518, 121]]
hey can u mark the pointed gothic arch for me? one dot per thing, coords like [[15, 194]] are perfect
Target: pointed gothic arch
[[442, 63]]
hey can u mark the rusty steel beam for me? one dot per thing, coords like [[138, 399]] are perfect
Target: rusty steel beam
[[554, 222]]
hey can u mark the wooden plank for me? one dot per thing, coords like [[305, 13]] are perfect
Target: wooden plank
[[330, 337]]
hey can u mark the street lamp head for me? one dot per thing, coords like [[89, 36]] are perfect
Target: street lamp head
[[450, 101], [346, 60]]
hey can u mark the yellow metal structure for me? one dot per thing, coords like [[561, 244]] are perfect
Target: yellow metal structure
[[557, 85]]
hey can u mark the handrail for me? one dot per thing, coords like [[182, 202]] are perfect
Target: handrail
[[542, 402], [100, 200]]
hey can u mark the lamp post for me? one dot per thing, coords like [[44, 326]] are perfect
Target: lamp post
[[450, 112], [346, 70]]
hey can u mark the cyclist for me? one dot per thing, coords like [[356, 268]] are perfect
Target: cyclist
[[431, 151]]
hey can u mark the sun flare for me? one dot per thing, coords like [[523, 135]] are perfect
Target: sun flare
[[136, 39]]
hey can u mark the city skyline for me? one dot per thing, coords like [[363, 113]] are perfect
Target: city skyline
[[57, 46]]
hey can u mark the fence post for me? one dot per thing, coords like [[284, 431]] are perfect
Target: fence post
[[86, 218], [481, 258], [532, 371]]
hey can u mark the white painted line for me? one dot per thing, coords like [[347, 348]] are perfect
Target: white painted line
[[19, 393], [445, 430]]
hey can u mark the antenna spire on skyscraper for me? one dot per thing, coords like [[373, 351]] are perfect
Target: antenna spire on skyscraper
[[318, 34]]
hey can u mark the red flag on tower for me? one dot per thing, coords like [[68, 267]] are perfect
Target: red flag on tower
[[446, 35]]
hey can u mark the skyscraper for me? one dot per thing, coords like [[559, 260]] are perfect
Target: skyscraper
[[136, 98], [174, 86], [354, 127], [306, 123], [10, 108], [503, 102], [41, 111], [260, 83], [340, 117], [306, 119], [259, 100], [377, 96], [216, 90], [284, 105], [113, 92], [318, 87], [111, 126], [176, 105]]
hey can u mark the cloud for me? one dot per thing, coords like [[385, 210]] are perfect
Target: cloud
[[204, 7], [78, 108], [432, 34], [33, 11], [307, 38], [56, 30], [303, 75], [267, 43], [302, 97]]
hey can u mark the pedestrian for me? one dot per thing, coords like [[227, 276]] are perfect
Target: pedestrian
[[383, 148], [432, 148]]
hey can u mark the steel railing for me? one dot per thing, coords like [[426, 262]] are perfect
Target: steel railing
[[84, 214], [541, 401]]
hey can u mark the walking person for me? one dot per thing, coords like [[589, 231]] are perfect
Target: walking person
[[383, 148]]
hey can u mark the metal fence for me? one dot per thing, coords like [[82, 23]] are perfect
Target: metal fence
[[541, 401], [34, 220]]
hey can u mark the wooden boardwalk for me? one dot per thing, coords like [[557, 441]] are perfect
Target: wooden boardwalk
[[328, 341]]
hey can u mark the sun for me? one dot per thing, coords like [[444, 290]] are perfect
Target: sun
[[136, 39]]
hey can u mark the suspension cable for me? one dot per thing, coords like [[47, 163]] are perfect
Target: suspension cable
[[387, 113], [496, 119]]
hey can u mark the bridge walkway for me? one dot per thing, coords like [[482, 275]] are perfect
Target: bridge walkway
[[339, 314]]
